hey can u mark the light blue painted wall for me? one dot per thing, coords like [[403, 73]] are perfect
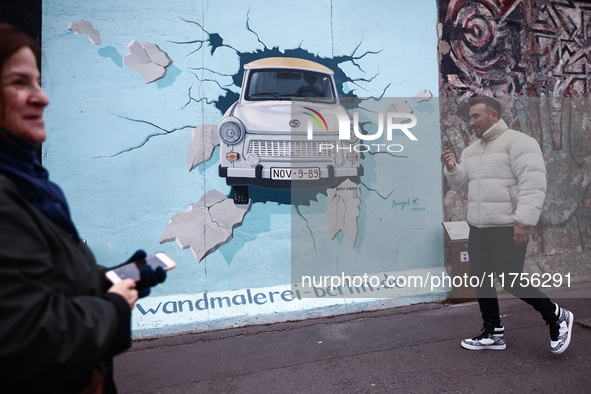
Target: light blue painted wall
[[99, 107]]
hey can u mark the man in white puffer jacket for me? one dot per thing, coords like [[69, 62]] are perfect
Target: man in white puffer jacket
[[504, 176]]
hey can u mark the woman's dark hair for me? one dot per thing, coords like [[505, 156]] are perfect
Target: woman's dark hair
[[11, 41]]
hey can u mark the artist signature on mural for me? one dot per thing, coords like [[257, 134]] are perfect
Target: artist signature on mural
[[413, 203]]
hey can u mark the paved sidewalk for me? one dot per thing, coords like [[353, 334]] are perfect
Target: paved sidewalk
[[407, 349]]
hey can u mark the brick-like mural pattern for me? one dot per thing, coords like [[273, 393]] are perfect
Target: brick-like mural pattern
[[534, 56]]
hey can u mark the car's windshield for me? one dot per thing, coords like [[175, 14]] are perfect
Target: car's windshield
[[278, 84]]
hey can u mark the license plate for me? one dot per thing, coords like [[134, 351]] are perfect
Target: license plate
[[296, 174]]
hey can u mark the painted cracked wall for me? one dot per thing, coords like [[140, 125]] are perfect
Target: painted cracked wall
[[535, 56], [137, 90]]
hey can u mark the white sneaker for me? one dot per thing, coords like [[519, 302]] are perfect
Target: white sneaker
[[561, 330], [488, 340]]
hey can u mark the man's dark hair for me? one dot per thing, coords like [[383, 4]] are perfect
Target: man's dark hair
[[491, 103]]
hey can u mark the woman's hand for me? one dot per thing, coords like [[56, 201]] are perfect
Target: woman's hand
[[126, 289]]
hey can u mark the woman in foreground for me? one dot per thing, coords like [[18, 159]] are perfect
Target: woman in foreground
[[61, 321]]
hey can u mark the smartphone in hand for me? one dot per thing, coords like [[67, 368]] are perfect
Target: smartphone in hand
[[132, 270]]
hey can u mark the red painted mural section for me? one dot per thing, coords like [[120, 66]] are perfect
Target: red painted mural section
[[534, 57]]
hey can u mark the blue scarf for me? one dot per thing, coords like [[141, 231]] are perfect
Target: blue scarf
[[18, 162]]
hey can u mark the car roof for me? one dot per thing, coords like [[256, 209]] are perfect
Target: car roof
[[287, 62]]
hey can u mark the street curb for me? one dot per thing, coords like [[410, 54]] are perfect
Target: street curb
[[192, 337]]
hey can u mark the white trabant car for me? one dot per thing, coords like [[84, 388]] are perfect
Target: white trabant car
[[281, 134]]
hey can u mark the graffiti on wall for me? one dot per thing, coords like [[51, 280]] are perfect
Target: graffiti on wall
[[275, 160], [515, 47], [534, 55], [139, 94], [209, 223]]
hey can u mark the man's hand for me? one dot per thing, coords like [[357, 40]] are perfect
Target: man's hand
[[447, 158], [521, 235]]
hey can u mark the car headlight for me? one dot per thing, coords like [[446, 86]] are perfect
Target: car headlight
[[231, 132]]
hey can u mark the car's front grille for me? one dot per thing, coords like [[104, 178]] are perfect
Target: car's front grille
[[292, 149]]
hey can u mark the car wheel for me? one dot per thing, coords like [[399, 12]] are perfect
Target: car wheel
[[240, 194]]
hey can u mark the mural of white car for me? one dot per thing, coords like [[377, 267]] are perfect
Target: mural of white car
[[280, 133]]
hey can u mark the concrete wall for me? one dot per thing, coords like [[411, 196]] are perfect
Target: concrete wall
[[534, 55], [137, 89]]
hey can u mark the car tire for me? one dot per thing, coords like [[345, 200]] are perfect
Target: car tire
[[240, 194]]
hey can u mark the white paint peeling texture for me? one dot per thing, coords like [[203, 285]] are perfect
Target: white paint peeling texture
[[422, 95], [342, 210], [400, 106], [205, 139], [86, 28], [148, 59], [207, 225]]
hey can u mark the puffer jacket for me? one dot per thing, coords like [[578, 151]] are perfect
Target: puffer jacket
[[504, 175]]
